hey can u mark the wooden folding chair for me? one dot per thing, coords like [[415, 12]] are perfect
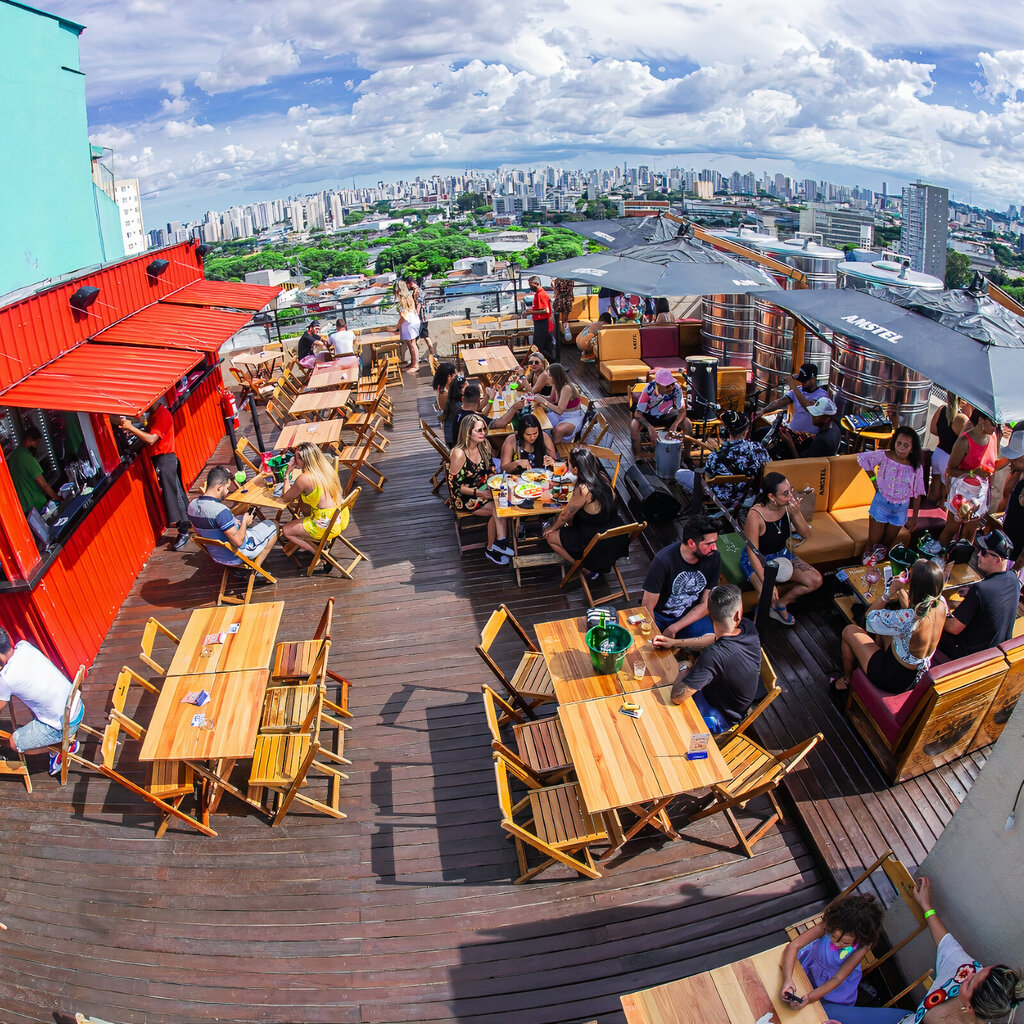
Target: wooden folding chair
[[66, 736], [530, 684], [903, 883], [294, 659], [578, 569], [540, 746], [550, 819], [770, 683], [367, 425], [440, 475], [281, 762], [293, 379], [152, 630], [168, 782], [354, 458], [280, 418], [324, 548], [756, 772], [589, 426], [245, 445], [254, 567], [19, 766], [600, 453], [259, 388]]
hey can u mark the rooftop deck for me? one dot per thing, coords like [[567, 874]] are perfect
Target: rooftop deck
[[405, 911]]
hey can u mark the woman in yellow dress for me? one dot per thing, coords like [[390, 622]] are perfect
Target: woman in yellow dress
[[314, 482]]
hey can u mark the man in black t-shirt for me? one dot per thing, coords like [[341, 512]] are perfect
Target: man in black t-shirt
[[1013, 520], [826, 441], [311, 338], [986, 615], [724, 679], [681, 577]]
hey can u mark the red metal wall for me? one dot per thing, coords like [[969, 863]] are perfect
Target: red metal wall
[[74, 605], [43, 326]]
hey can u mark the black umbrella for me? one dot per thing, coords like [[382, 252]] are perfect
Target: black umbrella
[[988, 374], [678, 267], [627, 231]]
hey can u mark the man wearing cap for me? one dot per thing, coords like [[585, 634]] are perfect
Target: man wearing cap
[[661, 407], [310, 340], [803, 393], [986, 615], [1013, 520], [826, 441]]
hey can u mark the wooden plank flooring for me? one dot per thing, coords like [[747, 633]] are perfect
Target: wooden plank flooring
[[405, 910]]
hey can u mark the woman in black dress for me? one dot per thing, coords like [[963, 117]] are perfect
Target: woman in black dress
[[528, 448], [590, 510]]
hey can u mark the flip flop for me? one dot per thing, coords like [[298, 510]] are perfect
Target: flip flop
[[835, 691], [780, 613]]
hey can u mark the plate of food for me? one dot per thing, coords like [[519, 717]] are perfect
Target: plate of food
[[535, 476], [494, 481], [527, 490]]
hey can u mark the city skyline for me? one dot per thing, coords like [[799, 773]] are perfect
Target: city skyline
[[236, 103]]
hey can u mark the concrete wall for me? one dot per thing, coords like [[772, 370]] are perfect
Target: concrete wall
[[977, 868], [53, 221]]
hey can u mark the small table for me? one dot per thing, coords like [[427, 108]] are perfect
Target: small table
[[250, 647], [327, 375], [960, 576], [568, 659], [319, 402], [744, 992], [490, 359], [259, 495], [542, 506], [638, 763], [323, 432], [257, 359]]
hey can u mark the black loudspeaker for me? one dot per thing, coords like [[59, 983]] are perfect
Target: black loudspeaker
[[157, 267], [84, 297], [652, 498], [203, 249], [702, 387]]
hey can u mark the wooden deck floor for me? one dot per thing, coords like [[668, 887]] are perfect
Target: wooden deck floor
[[405, 910]]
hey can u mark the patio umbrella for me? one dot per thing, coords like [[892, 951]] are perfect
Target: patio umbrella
[[987, 373], [621, 232], [677, 267]]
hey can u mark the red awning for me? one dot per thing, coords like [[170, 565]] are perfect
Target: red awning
[[227, 294], [172, 326], [118, 379]]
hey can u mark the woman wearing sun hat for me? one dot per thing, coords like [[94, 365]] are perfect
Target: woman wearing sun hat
[[661, 407]]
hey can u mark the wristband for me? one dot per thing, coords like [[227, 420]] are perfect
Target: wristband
[[929, 913]]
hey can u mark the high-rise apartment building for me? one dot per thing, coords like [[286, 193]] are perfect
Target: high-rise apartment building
[[129, 206], [925, 224]]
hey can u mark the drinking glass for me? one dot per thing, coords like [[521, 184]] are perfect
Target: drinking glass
[[645, 626], [639, 668]]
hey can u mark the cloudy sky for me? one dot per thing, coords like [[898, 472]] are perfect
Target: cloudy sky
[[224, 101]]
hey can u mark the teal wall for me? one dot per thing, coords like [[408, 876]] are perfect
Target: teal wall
[[54, 220]]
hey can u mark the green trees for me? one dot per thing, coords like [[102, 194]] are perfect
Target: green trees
[[470, 201], [958, 269], [433, 250]]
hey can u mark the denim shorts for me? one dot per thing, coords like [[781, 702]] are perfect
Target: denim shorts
[[35, 734], [889, 512], [747, 566]]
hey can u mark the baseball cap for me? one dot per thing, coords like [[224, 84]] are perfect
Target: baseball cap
[[996, 543], [1014, 448], [822, 407], [664, 377]]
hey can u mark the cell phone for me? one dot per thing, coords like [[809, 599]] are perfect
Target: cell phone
[[887, 576], [792, 997]]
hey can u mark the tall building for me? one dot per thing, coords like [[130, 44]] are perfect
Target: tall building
[[57, 208], [925, 224], [129, 205], [837, 226]]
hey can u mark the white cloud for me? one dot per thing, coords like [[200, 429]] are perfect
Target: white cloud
[[185, 129], [253, 62], [1003, 73]]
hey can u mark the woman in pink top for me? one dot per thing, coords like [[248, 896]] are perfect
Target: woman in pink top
[[900, 482], [975, 457]]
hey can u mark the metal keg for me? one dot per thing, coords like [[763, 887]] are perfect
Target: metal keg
[[727, 329], [861, 377]]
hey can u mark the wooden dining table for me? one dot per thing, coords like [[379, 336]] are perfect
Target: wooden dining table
[[323, 432], [256, 494], [744, 992], [530, 551], [563, 644], [638, 763], [257, 358], [249, 647], [331, 402], [327, 375], [489, 359]]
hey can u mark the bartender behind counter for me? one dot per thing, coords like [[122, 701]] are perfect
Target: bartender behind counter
[[27, 474], [160, 438]]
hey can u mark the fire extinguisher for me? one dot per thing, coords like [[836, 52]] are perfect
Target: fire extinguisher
[[229, 407]]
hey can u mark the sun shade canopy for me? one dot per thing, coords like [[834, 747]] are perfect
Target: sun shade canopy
[[227, 294], [172, 326], [118, 379]]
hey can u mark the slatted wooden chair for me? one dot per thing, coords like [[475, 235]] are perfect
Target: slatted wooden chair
[[18, 767], [770, 683], [152, 630], [282, 761], [608, 455], [586, 436], [440, 475], [578, 569], [756, 772], [550, 819], [281, 418], [903, 883], [367, 425], [66, 736], [354, 458], [540, 746], [530, 684], [293, 379], [259, 388], [253, 567], [294, 659], [243, 450], [325, 547], [168, 782]]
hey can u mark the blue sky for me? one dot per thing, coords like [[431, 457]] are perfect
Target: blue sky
[[242, 99]]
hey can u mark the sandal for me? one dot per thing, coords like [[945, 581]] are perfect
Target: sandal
[[835, 689], [780, 613]]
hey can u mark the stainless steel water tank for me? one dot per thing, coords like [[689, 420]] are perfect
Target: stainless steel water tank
[[728, 324], [861, 377], [815, 261], [773, 351], [888, 272]]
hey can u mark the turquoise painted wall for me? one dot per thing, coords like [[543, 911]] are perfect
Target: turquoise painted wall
[[54, 220]]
